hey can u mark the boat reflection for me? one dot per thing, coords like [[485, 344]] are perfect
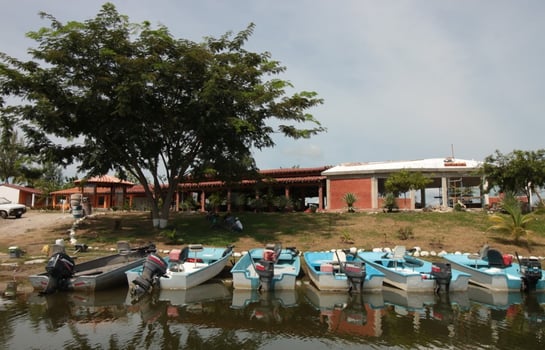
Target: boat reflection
[[174, 304], [499, 300], [349, 314], [211, 290], [265, 306], [100, 307]]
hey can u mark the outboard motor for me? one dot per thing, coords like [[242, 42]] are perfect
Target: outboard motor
[[530, 269], [154, 267], [442, 273], [265, 271], [59, 268], [265, 267], [355, 273]]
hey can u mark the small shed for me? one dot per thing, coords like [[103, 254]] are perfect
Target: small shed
[[31, 197]]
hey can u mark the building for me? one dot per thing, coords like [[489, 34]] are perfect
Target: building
[[453, 181], [28, 196]]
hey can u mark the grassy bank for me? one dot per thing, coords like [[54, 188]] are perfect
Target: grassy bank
[[450, 231]]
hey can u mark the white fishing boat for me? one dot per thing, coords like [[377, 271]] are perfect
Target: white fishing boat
[[182, 269]]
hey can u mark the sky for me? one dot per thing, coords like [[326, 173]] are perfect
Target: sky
[[400, 79]]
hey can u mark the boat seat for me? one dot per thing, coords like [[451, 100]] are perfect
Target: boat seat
[[339, 256], [495, 259], [399, 252], [123, 248]]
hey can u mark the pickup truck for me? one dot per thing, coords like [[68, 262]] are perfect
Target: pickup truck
[[7, 208]]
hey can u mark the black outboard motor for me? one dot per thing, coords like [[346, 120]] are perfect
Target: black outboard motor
[[442, 273], [59, 268], [530, 269], [154, 267], [355, 273]]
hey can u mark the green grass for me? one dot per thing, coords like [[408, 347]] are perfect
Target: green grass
[[430, 229]]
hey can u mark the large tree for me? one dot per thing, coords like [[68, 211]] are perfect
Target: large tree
[[132, 98], [515, 172], [15, 163]]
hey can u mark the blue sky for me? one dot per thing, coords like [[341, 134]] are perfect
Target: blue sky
[[401, 80]]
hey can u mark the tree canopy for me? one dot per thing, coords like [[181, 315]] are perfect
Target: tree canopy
[[132, 98], [516, 172], [405, 180]]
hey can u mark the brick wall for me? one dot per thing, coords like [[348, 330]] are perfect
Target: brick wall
[[339, 187]]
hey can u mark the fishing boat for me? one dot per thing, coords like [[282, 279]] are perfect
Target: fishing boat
[[493, 270], [182, 269], [269, 268], [341, 270], [62, 273], [409, 273]]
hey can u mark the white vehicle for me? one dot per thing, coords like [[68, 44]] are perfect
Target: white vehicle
[[7, 208]]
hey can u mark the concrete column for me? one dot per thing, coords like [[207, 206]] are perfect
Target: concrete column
[[320, 197], [328, 193], [374, 193], [444, 191], [412, 196]]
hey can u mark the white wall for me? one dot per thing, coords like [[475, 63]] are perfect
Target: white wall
[[11, 194]]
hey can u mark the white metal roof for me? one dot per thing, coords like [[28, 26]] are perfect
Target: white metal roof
[[432, 164]]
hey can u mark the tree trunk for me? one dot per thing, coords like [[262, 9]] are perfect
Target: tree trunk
[[159, 216]]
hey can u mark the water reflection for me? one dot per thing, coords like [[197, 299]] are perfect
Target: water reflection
[[214, 316]]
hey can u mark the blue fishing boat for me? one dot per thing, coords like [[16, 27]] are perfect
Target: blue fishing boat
[[494, 270], [341, 270], [409, 273], [269, 268]]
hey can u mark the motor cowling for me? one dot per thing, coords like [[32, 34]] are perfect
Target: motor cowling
[[355, 272], [60, 268], [153, 268], [530, 269], [442, 273], [265, 271]]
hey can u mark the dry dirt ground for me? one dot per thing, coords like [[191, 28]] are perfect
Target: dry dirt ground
[[30, 233]]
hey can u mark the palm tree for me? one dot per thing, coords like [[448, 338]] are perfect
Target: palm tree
[[513, 222], [350, 199]]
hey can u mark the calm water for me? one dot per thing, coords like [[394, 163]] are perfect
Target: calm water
[[213, 316]]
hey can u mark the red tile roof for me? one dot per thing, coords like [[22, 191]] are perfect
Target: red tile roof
[[104, 179]]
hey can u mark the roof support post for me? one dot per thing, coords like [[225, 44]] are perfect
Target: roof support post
[[374, 192], [444, 192]]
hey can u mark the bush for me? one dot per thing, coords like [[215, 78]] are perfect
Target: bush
[[405, 233]]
